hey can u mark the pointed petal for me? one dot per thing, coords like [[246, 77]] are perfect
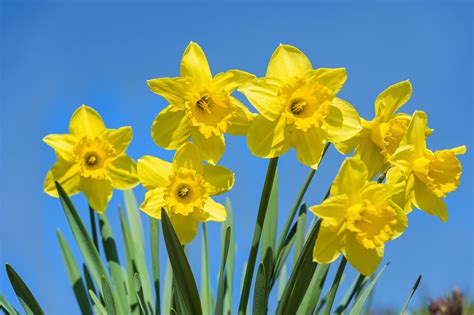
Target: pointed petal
[[185, 226], [211, 148], [309, 145], [230, 80], [98, 192], [416, 132], [328, 245], [371, 155], [332, 210], [428, 202], [239, 124], [66, 174], [188, 156], [342, 122], [218, 178], [174, 90], [153, 172], [363, 259], [170, 128], [380, 193], [123, 172], [118, 138], [153, 202], [332, 78], [390, 100], [266, 138], [215, 210], [194, 65], [63, 145], [287, 62], [351, 179], [263, 95], [86, 122]]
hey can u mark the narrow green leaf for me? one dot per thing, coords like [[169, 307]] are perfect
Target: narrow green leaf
[[74, 276], [206, 294], [300, 233], [350, 294], [229, 275], [311, 298], [283, 255], [182, 273], [260, 292], [136, 229], [108, 298], [26, 298], [359, 303], [413, 290], [88, 279], [111, 254], [244, 268], [7, 307], [155, 260], [219, 308], [139, 293], [167, 290], [98, 307], [282, 280], [335, 285], [271, 220]]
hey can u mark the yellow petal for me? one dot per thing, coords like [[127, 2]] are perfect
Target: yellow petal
[[401, 220], [342, 122], [63, 145], [286, 62], [390, 100], [211, 148], [263, 95], [404, 157], [332, 78], [170, 128], [123, 172], [266, 138], [188, 156], [351, 179], [194, 65], [66, 174], [380, 193], [185, 226], [328, 245], [309, 145], [174, 90], [153, 202], [349, 145], [416, 132], [429, 202], [240, 122], [230, 80], [371, 155], [215, 210], [363, 259], [459, 150], [98, 192], [118, 138], [218, 178], [153, 172], [86, 122], [332, 210]]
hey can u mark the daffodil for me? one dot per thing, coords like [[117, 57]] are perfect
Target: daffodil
[[381, 136], [298, 108], [91, 159], [184, 189], [357, 219], [201, 106], [429, 175]]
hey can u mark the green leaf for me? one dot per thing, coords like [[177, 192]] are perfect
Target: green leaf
[[335, 285], [167, 290], [260, 292], [283, 255], [359, 303], [88, 279], [413, 290], [282, 281], [311, 298], [136, 229], [7, 307], [271, 220], [219, 308], [27, 300], [139, 293], [206, 294], [113, 262], [74, 276], [155, 259], [229, 275], [300, 233], [98, 307], [182, 273], [355, 288], [108, 298]]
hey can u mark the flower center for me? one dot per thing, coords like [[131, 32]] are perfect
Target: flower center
[[93, 156], [91, 159], [204, 104], [183, 191], [297, 105], [186, 192]]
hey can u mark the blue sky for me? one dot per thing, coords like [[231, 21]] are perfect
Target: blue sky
[[57, 56]]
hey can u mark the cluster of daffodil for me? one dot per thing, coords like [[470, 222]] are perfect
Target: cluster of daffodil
[[297, 108]]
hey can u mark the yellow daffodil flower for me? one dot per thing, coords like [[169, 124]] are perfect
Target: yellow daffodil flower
[[381, 136], [429, 176], [184, 189], [201, 107], [358, 219], [298, 108], [91, 159]]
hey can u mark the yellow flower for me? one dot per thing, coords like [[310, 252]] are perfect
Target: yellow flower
[[382, 135], [91, 159], [200, 107], [358, 219], [183, 189], [298, 108], [429, 176]]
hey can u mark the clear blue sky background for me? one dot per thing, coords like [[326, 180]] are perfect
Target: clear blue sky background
[[56, 56]]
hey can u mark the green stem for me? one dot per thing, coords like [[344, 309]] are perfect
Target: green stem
[[262, 210], [335, 285], [94, 228], [296, 205]]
